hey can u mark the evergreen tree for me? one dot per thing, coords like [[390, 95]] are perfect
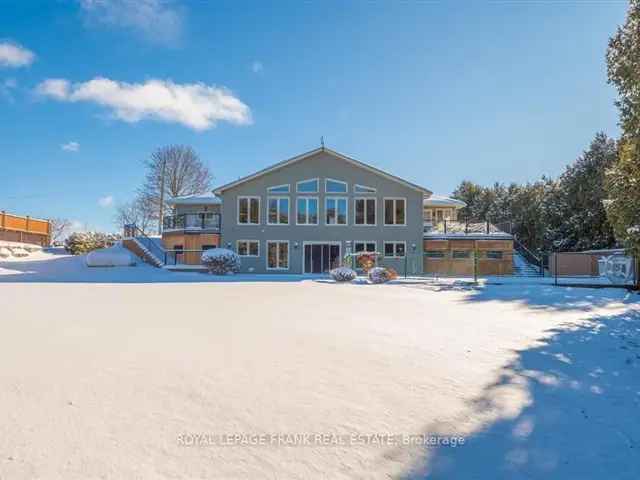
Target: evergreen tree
[[623, 179]]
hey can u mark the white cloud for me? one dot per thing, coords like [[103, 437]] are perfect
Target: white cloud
[[158, 20], [257, 67], [195, 105], [14, 55], [105, 202], [70, 146]]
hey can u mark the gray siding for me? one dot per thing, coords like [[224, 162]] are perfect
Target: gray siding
[[322, 166]]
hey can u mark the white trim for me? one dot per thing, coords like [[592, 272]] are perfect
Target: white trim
[[248, 249], [369, 192], [394, 242], [248, 210], [288, 185], [317, 180], [337, 181], [384, 213], [278, 198], [335, 197], [317, 199], [266, 257], [375, 212], [320, 242], [303, 156]]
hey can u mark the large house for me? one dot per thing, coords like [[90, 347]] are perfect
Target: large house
[[305, 214]]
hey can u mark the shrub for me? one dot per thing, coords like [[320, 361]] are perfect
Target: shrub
[[392, 274], [342, 274], [221, 261], [79, 243], [380, 275]]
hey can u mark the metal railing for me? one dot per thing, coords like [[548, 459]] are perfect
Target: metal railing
[[132, 230], [446, 226], [529, 256], [192, 221]]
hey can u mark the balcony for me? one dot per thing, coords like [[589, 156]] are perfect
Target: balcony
[[192, 222]]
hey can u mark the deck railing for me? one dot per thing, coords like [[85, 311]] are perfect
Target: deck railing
[[192, 221]]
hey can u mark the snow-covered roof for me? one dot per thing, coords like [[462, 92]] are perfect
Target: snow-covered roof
[[204, 199], [443, 201]]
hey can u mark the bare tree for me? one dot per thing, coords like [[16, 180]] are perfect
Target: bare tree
[[59, 229], [183, 173], [138, 212]]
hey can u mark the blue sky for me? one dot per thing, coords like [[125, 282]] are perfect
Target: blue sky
[[433, 92]]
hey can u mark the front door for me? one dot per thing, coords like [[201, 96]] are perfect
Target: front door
[[321, 257]]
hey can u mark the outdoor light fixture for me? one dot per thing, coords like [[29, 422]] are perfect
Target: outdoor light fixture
[[295, 245]]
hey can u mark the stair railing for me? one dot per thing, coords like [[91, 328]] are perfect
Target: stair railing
[[157, 251], [528, 255]]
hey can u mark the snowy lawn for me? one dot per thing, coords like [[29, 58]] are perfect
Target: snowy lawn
[[142, 373]]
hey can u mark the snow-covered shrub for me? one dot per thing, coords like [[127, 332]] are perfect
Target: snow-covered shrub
[[379, 275], [83, 242], [110, 257], [221, 261], [366, 261], [392, 274], [342, 274], [5, 252], [19, 252]]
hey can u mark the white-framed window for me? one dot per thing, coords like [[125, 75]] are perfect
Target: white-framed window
[[364, 246], [277, 255], [335, 209], [335, 186], [363, 189], [278, 210], [248, 210], [279, 189], [395, 249], [395, 211], [307, 211], [308, 186], [365, 211], [248, 248]]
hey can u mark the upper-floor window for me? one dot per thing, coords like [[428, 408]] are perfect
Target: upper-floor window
[[365, 211], [308, 186], [335, 186], [307, 211], [279, 189], [395, 211], [278, 213], [336, 210], [363, 189], [249, 210]]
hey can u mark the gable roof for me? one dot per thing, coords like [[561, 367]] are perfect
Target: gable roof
[[298, 158]]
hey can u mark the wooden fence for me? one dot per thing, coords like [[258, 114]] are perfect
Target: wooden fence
[[14, 228]]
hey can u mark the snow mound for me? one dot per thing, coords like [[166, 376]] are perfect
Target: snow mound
[[116, 256], [5, 252]]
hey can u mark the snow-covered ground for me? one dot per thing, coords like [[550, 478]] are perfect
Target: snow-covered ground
[[136, 372]]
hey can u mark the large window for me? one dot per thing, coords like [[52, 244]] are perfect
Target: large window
[[248, 248], [277, 255], [395, 211], [394, 249], [335, 186], [307, 211], [365, 211], [278, 213], [279, 189], [359, 247], [249, 210], [363, 189], [308, 186], [336, 211]]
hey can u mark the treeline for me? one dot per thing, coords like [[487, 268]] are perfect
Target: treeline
[[563, 214]]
